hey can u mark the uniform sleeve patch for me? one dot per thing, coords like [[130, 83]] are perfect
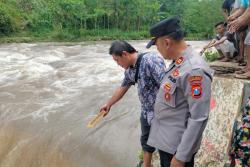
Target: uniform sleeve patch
[[195, 79], [196, 90]]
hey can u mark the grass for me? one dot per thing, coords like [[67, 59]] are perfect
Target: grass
[[69, 35]]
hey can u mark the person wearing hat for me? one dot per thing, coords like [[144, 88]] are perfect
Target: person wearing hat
[[183, 101], [147, 70]]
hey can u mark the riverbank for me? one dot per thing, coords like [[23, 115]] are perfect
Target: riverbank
[[81, 35]]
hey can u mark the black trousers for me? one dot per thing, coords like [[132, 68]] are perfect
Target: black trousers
[[166, 159], [145, 129]]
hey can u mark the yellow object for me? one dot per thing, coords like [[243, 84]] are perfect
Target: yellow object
[[246, 130], [96, 119]]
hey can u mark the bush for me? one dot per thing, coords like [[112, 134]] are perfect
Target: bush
[[65, 34], [5, 23]]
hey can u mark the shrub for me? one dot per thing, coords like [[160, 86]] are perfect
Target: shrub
[[6, 26]]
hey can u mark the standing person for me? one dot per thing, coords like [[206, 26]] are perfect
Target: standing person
[[227, 7], [238, 21], [236, 6], [183, 102], [239, 35], [240, 7], [240, 145], [147, 70]]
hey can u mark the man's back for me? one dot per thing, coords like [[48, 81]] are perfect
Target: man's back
[[151, 71]]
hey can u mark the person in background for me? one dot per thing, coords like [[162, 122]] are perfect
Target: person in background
[[238, 20], [239, 37], [240, 147], [223, 42], [227, 7]]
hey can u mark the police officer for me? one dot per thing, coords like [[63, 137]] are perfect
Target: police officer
[[183, 101]]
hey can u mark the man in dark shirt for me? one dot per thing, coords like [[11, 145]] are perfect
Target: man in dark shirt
[[146, 70]]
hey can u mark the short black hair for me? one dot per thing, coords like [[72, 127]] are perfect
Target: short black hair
[[117, 47], [220, 23]]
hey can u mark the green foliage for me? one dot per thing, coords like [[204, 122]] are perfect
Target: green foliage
[[140, 155], [100, 19], [5, 23], [10, 20], [200, 16], [63, 34]]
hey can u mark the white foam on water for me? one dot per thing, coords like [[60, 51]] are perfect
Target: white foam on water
[[65, 86], [13, 57], [46, 59], [45, 111], [37, 70], [102, 70], [8, 114], [56, 52], [3, 54], [8, 77], [26, 45]]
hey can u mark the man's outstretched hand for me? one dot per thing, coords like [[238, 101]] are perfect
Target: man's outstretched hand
[[105, 108]]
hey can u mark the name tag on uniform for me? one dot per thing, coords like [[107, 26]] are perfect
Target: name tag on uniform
[[172, 79]]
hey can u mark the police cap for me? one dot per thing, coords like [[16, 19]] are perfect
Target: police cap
[[165, 27]]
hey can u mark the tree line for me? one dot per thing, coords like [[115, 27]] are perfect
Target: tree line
[[34, 16]]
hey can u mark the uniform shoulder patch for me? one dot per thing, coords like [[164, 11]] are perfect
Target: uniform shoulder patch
[[196, 89], [179, 61]]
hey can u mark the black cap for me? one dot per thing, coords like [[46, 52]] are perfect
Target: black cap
[[165, 27]]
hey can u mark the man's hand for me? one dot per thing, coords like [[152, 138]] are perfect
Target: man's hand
[[176, 163], [105, 108], [202, 51], [235, 25], [231, 18], [214, 44]]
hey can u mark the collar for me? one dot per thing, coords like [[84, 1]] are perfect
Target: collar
[[134, 65], [183, 57]]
